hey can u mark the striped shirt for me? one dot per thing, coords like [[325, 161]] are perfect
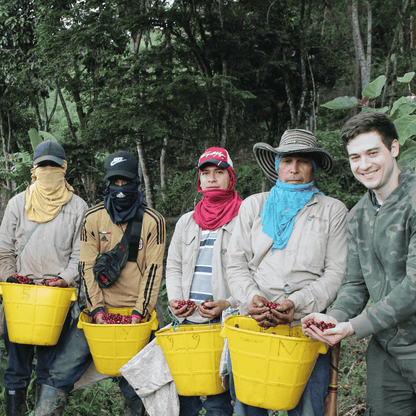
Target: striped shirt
[[201, 288]]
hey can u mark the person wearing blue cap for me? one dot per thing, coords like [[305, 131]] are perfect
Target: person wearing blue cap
[[39, 239], [136, 287]]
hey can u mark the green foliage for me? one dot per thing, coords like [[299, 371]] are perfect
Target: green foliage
[[36, 139], [402, 113], [373, 89], [91, 401], [180, 194], [404, 120], [340, 184], [341, 103], [249, 179], [352, 378]]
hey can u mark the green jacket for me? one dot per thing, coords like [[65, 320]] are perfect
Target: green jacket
[[382, 266]]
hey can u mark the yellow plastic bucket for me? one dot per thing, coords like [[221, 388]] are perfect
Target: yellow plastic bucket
[[270, 367], [34, 313], [193, 353], [112, 345]]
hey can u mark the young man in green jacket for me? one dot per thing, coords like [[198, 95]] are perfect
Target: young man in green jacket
[[381, 266]]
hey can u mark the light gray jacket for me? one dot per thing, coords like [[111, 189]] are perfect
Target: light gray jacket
[[46, 250], [182, 256], [310, 268]]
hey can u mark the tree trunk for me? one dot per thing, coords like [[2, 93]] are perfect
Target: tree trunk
[[163, 168], [226, 109], [38, 118], [5, 152], [68, 118], [412, 28], [365, 62], [146, 178], [391, 51]]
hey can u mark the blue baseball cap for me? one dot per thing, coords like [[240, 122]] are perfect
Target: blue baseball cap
[[49, 150]]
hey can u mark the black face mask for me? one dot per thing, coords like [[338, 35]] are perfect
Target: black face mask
[[122, 202]]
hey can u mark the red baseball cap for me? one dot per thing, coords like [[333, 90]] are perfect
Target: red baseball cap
[[217, 156]]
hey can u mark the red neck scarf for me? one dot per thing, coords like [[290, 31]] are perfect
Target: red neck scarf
[[218, 206]]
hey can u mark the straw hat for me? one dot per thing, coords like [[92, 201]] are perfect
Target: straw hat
[[292, 142]]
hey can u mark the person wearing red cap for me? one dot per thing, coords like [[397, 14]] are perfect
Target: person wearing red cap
[[197, 260]]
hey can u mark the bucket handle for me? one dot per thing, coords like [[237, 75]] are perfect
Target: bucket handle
[[155, 324], [80, 324], [73, 297]]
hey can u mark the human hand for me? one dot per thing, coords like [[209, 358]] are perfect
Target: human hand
[[99, 319], [330, 336], [266, 317], [212, 308], [283, 314], [59, 283], [11, 279], [135, 319], [182, 312]]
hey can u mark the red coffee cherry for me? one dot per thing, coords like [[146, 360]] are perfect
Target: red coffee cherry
[[116, 318], [24, 280], [189, 304], [321, 325], [272, 305]]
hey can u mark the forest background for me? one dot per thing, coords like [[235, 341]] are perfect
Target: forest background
[[167, 79]]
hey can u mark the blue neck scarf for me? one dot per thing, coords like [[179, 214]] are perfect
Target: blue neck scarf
[[281, 207]]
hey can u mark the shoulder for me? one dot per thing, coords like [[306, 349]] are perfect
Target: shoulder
[[357, 211], [15, 206], [96, 211], [150, 214], [18, 199], [330, 202], [78, 203], [254, 202], [187, 220]]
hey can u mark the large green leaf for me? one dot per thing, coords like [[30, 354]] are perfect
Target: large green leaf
[[407, 155], [47, 136], [406, 127], [373, 89], [379, 110], [341, 103], [402, 107], [406, 78], [35, 139]]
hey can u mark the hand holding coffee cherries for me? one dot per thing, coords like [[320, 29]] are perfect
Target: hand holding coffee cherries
[[211, 309], [182, 308], [325, 328], [269, 314]]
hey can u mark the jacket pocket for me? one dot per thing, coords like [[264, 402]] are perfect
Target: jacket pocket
[[188, 244], [312, 250]]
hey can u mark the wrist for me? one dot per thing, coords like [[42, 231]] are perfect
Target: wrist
[[137, 316], [97, 314]]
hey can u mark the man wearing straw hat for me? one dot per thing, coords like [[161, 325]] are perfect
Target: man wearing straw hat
[[39, 238], [197, 261], [289, 246], [136, 287]]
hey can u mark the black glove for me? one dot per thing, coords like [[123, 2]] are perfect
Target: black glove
[[11, 279]]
